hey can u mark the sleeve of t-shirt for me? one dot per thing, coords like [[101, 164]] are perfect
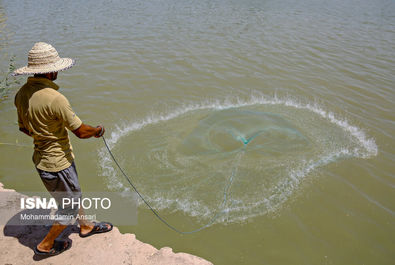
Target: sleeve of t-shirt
[[20, 122], [63, 111]]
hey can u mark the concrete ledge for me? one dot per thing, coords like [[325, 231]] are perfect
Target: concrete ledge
[[17, 244]]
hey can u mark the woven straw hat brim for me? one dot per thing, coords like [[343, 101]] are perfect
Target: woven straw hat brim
[[60, 65]]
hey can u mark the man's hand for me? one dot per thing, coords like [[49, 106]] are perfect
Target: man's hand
[[87, 131], [101, 131]]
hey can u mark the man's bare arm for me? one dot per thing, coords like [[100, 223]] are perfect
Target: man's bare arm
[[87, 131]]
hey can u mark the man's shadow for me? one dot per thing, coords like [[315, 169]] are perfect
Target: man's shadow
[[31, 233]]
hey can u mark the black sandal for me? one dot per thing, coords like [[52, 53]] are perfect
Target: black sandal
[[98, 228], [58, 247]]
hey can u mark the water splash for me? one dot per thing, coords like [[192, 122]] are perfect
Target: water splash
[[213, 142]]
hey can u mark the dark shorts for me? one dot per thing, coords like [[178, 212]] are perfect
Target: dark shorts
[[63, 184]]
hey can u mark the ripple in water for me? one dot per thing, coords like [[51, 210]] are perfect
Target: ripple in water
[[234, 129], [182, 161]]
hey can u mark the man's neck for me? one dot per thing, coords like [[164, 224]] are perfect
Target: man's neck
[[42, 76], [50, 76]]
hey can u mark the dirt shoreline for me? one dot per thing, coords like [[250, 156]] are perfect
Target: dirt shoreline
[[17, 243]]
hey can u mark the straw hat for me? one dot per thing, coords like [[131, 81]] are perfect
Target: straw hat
[[42, 59]]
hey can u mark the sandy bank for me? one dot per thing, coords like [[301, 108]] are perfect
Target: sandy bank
[[17, 243]]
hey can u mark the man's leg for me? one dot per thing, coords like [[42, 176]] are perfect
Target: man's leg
[[47, 243], [72, 182], [85, 226], [60, 184]]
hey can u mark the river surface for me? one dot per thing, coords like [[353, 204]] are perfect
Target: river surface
[[277, 117]]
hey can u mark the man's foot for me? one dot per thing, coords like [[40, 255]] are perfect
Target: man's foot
[[86, 228], [58, 247], [97, 228]]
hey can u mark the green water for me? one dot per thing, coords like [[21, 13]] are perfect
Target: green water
[[294, 99]]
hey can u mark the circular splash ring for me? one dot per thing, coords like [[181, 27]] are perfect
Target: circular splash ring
[[212, 132]]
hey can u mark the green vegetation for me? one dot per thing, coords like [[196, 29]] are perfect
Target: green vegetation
[[8, 82]]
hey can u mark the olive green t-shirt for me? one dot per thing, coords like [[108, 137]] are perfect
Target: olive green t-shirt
[[46, 114]]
